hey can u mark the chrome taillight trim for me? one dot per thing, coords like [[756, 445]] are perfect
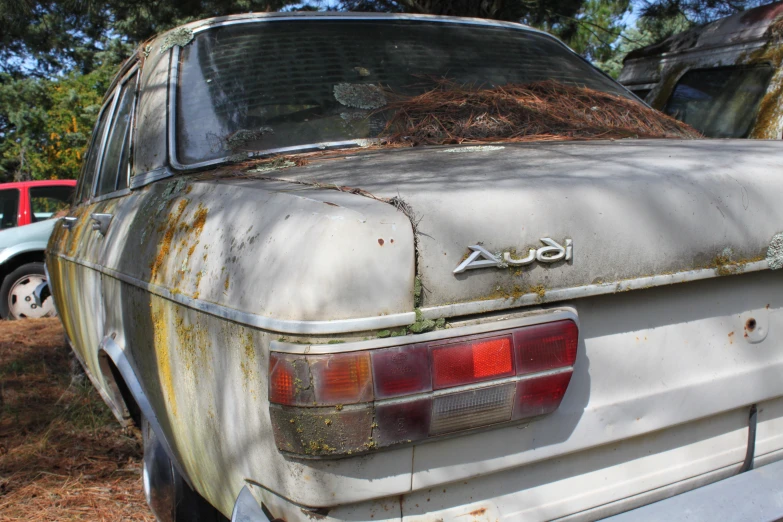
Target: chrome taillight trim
[[530, 319]]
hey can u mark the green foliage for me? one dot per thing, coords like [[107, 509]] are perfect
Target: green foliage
[[45, 124], [645, 32], [595, 29]]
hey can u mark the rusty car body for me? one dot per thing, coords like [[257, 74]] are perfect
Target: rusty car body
[[724, 78], [518, 331]]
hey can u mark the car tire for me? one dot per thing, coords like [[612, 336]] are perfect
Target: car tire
[[168, 495], [19, 284]]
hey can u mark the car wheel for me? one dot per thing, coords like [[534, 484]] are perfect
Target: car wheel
[[16, 293], [168, 495]]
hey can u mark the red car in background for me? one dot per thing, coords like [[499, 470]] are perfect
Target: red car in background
[[27, 210]]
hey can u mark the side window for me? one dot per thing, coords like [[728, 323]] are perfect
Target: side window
[[9, 208], [88, 172], [115, 168], [46, 202], [641, 93], [720, 102]]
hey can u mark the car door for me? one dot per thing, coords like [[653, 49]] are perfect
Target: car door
[[113, 195], [76, 287]]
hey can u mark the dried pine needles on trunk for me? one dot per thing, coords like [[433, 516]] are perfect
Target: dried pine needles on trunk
[[541, 111]]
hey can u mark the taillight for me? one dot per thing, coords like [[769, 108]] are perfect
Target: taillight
[[352, 402], [472, 361]]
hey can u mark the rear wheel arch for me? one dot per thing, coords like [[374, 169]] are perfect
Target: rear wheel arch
[[124, 386], [168, 489]]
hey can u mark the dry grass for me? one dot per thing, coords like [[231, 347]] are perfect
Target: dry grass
[[541, 111], [62, 454]]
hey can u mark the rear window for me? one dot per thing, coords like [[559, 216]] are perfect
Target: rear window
[[266, 86], [721, 102]]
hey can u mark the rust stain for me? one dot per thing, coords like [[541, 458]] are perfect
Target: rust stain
[[380, 241], [731, 338], [331, 204], [477, 512]]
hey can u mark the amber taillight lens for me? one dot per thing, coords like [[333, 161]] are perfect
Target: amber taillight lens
[[353, 402]]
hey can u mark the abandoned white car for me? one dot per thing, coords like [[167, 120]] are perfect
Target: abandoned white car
[[387, 267]]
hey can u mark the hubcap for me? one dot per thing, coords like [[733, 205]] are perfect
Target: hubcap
[[21, 302]]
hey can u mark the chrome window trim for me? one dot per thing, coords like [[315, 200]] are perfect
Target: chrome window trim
[[364, 324], [112, 105], [532, 318], [140, 180], [107, 106], [174, 67], [114, 99], [111, 195]]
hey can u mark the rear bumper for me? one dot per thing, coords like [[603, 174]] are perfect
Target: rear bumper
[[755, 495]]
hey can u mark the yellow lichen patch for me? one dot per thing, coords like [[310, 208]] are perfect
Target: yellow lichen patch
[[192, 249], [770, 112], [248, 363], [199, 275], [162, 344], [227, 282], [200, 219], [539, 290], [723, 265], [193, 343], [188, 231], [514, 292], [164, 247]]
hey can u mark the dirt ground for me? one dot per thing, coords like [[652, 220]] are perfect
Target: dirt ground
[[63, 456]]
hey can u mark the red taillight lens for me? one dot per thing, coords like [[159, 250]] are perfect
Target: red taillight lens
[[401, 371], [540, 395], [470, 362], [546, 346], [289, 380], [341, 378], [355, 401]]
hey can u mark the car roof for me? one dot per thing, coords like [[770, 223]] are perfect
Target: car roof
[[743, 27]]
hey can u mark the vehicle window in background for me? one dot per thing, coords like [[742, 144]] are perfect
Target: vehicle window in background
[[114, 168], [641, 93], [264, 86], [45, 202], [721, 102], [9, 208], [88, 172]]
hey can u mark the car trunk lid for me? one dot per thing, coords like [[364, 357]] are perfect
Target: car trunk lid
[[630, 210]]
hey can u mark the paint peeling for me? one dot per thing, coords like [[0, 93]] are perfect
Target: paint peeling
[[775, 252]]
